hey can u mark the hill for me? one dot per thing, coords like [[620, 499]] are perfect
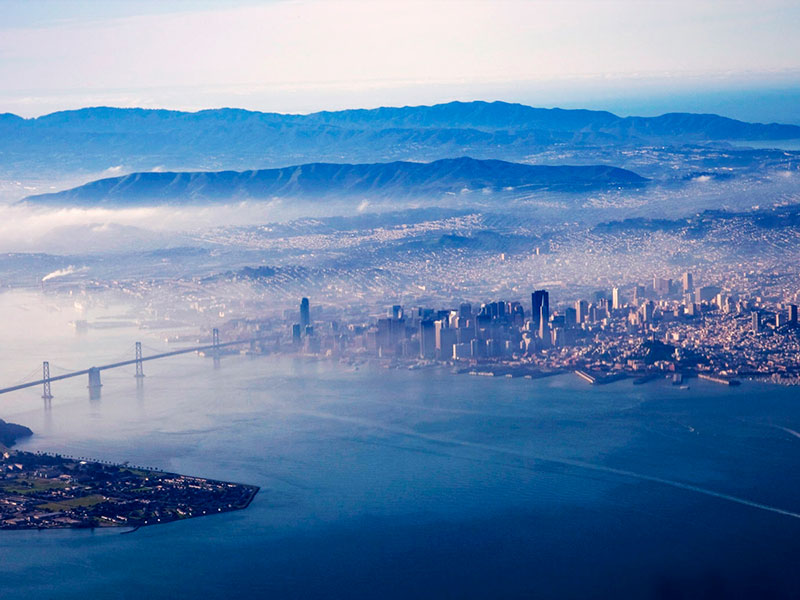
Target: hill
[[327, 180], [11, 432]]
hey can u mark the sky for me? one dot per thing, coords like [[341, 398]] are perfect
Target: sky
[[632, 56]]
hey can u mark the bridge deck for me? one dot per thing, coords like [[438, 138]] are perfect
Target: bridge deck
[[124, 363]]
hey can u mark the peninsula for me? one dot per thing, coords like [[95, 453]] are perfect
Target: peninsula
[[46, 491]]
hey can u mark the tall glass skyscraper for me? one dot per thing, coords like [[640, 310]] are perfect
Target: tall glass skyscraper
[[305, 314]]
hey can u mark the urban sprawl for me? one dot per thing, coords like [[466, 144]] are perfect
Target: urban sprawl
[[672, 327]]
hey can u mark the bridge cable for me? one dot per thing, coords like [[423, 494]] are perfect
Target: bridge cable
[[29, 377]]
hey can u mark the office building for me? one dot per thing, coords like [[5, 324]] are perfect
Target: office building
[[465, 311], [540, 307], [427, 339], [638, 294], [305, 313], [688, 282], [581, 311], [661, 286], [706, 293], [445, 339]]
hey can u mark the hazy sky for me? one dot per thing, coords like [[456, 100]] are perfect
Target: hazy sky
[[304, 55]]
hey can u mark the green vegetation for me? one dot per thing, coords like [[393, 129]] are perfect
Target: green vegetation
[[85, 501], [32, 485]]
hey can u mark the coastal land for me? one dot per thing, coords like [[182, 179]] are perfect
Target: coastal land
[[47, 491]]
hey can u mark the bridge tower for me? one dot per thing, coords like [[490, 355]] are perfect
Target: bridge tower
[[46, 381], [139, 369], [215, 347], [94, 378]]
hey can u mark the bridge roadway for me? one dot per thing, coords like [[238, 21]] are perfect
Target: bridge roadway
[[124, 363]]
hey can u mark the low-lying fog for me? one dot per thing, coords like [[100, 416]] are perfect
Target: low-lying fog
[[73, 230]]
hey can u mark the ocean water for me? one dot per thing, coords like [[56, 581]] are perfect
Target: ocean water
[[381, 483]]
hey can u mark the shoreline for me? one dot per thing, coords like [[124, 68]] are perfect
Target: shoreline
[[40, 490]]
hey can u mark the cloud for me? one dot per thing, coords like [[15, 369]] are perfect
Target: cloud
[[73, 230]]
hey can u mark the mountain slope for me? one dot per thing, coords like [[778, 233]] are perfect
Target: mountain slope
[[325, 180], [94, 139], [480, 115]]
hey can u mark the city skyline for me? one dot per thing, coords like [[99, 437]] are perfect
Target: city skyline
[[432, 299], [671, 326]]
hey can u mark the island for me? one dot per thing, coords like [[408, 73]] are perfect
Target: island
[[11, 432], [49, 491]]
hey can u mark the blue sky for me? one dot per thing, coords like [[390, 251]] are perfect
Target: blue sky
[[633, 56]]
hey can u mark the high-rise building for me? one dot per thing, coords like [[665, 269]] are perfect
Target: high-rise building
[[661, 285], [543, 325], [570, 317], [296, 333], [383, 337], [516, 314], [445, 339], [465, 311], [540, 307], [706, 293], [793, 314], [427, 339], [581, 311], [616, 301], [305, 313], [476, 349], [461, 351], [638, 294], [756, 318], [688, 282], [646, 311]]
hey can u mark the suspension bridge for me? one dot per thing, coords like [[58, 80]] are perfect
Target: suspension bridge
[[93, 373]]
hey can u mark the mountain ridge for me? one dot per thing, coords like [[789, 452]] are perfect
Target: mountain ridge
[[496, 114], [325, 180], [91, 140]]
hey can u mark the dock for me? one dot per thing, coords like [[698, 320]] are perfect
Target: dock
[[718, 379]]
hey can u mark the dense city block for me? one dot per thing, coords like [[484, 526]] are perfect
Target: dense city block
[[672, 327]]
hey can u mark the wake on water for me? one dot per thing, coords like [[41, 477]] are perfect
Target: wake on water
[[559, 461]]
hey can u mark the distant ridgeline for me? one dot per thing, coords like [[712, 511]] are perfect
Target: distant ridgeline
[[396, 179], [327, 180], [90, 140]]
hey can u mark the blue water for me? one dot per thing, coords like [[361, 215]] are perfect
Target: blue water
[[396, 484]]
